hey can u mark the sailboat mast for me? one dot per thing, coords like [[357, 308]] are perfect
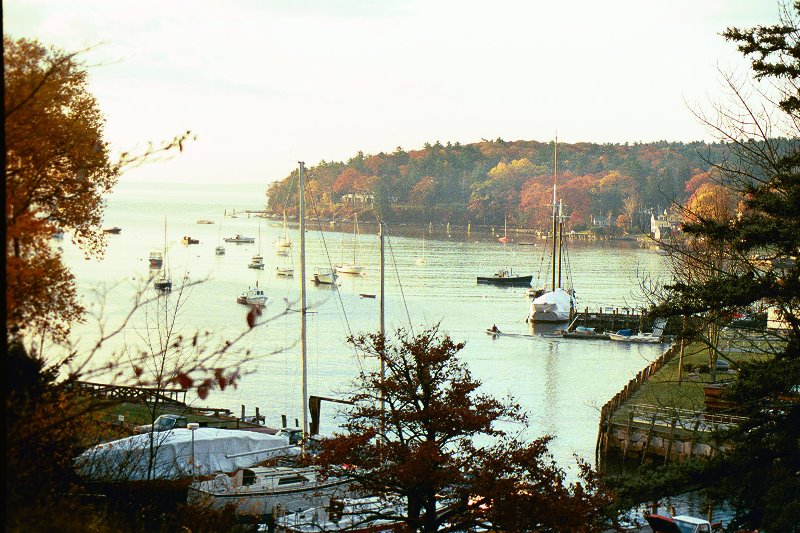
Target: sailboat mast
[[560, 239], [382, 333], [303, 300], [555, 229]]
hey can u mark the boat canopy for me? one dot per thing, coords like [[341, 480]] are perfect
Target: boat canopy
[[215, 450], [561, 298]]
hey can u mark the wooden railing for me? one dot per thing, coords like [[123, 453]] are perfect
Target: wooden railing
[[132, 394]]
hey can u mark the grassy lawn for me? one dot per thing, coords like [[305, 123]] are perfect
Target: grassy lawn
[[666, 390]]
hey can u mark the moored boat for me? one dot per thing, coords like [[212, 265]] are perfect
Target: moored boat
[[253, 296], [324, 276], [506, 277], [241, 239], [188, 240], [260, 491], [114, 231]]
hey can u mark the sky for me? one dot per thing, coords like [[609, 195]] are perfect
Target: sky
[[266, 83]]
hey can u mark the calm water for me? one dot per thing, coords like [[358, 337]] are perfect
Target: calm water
[[560, 383]]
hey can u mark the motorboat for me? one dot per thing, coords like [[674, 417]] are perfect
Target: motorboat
[[506, 277], [156, 259], [204, 221], [679, 524], [163, 284], [253, 296], [188, 240], [260, 491], [114, 231], [240, 239], [626, 335]]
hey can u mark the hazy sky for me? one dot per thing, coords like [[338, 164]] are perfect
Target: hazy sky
[[265, 83]]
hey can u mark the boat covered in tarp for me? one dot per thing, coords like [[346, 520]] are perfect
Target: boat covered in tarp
[[215, 450]]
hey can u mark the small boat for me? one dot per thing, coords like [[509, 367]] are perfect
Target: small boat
[[253, 296], [352, 268], [365, 295], [506, 277], [258, 259], [241, 239], [219, 250], [625, 335], [156, 259], [324, 276], [286, 272], [284, 243], [164, 282], [421, 260], [356, 515], [504, 238], [582, 332], [114, 231], [260, 491], [204, 221], [679, 524], [188, 240]]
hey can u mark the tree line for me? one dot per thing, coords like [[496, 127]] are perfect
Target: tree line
[[492, 182]]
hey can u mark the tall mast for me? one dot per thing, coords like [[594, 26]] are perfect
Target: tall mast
[[555, 228], [303, 300], [382, 333], [560, 238]]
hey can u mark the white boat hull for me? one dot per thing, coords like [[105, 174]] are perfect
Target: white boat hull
[[324, 278], [355, 270], [285, 272], [643, 338], [552, 307], [257, 500]]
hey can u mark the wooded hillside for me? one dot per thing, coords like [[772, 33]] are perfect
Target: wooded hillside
[[609, 185]]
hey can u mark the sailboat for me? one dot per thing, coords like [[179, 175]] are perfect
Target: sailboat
[[558, 304], [421, 260], [265, 490], [352, 268], [164, 283], [258, 259], [284, 243], [504, 238], [219, 250]]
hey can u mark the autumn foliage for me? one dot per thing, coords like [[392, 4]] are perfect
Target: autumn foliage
[[425, 435], [57, 169]]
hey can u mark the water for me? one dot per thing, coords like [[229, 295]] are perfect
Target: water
[[560, 383]]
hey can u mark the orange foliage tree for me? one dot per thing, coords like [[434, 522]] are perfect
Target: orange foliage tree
[[57, 169], [411, 438]]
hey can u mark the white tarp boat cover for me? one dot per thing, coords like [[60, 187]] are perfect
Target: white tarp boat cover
[[561, 298], [215, 450]]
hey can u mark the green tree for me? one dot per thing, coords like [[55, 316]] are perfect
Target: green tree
[[761, 246]]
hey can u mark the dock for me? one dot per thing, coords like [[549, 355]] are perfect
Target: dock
[[633, 428]]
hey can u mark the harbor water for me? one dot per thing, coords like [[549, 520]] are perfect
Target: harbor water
[[561, 383]]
